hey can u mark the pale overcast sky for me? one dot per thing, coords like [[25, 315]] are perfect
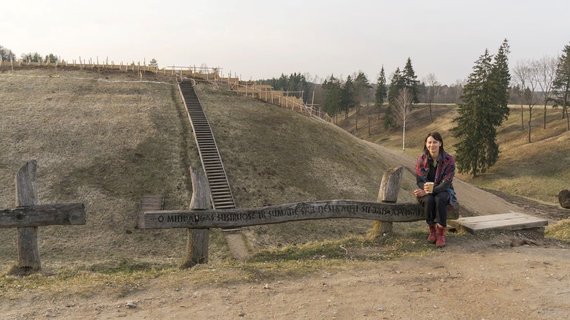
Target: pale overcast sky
[[264, 38]]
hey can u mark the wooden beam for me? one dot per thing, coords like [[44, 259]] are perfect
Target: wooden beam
[[198, 239], [43, 215], [389, 189], [233, 218], [26, 195]]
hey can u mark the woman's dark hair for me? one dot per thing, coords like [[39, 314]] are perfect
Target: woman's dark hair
[[437, 137]]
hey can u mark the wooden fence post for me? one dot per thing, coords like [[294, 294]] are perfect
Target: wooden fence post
[[198, 239], [389, 189], [26, 195]]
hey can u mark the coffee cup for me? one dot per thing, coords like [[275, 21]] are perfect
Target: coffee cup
[[428, 187]]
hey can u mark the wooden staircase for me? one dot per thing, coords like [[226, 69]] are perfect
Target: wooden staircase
[[220, 192]]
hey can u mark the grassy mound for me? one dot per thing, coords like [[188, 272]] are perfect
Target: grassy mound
[[106, 140]]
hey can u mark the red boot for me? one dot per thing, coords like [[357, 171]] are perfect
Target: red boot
[[431, 238], [439, 236]]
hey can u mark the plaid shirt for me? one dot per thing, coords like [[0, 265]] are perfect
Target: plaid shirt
[[444, 173]]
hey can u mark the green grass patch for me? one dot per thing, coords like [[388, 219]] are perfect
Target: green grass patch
[[559, 231]]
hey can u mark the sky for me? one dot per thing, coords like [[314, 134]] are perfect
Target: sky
[[260, 39]]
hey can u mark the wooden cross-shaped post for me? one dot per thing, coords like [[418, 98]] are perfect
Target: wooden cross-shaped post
[[28, 216]]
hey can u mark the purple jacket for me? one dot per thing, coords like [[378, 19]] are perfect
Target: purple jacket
[[444, 173]]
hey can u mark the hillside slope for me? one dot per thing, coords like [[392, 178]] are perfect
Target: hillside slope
[[105, 140]]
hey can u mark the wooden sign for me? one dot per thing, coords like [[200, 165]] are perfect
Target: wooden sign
[[231, 218]]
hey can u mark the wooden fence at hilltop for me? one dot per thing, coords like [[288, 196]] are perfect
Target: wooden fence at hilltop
[[248, 88], [277, 97]]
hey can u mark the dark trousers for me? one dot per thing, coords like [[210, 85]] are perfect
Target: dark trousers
[[435, 207]]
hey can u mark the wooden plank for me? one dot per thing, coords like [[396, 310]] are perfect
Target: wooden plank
[[493, 217], [507, 221], [43, 215], [232, 218], [152, 202]]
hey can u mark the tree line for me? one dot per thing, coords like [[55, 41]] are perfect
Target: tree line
[[7, 55]]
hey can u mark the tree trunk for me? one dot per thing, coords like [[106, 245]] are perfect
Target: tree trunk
[[369, 125], [529, 120], [356, 122], [430, 113], [522, 117], [567, 120], [545, 115]]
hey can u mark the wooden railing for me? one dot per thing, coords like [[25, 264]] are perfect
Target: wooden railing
[[276, 97]]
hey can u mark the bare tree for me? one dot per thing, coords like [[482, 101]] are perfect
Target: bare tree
[[546, 71], [527, 75], [402, 107], [432, 90]]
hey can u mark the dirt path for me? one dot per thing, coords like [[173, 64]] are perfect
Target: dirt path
[[482, 279], [488, 276]]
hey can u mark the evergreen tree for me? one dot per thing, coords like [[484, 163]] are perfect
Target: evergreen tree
[[381, 89], [481, 111], [500, 78], [396, 85], [51, 58], [347, 99], [361, 88], [32, 57], [332, 95], [411, 80], [561, 84]]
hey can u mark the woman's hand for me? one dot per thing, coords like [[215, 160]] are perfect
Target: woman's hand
[[419, 193]]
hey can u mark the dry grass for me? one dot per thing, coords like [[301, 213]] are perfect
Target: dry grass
[[559, 230], [106, 144], [100, 143]]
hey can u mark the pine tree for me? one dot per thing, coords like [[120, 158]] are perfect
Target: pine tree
[[381, 89], [561, 84], [361, 88], [500, 78], [482, 110], [396, 85], [347, 99], [332, 93], [411, 80]]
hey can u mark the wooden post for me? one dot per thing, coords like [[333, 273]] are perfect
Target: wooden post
[[26, 195], [198, 239], [389, 189]]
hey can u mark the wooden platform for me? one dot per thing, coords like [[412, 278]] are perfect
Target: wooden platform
[[505, 221], [152, 203]]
